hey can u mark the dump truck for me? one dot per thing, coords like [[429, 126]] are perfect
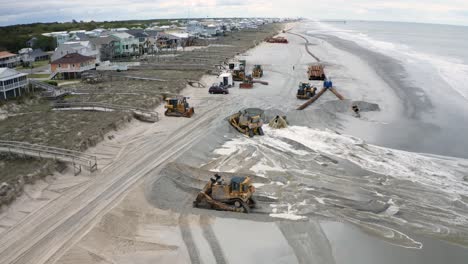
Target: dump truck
[[235, 196], [178, 106], [305, 91], [248, 121], [257, 71], [316, 72]]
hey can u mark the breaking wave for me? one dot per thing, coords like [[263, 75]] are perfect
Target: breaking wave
[[323, 173]]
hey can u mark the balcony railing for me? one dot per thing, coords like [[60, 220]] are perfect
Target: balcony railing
[[12, 86]]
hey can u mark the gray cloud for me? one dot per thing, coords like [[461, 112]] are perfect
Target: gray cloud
[[431, 11]]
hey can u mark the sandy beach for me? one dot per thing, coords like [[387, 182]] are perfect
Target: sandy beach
[[332, 188]]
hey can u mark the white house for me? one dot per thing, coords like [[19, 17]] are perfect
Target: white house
[[11, 83]]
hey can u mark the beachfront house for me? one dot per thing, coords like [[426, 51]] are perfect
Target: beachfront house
[[11, 83], [105, 45], [165, 41], [9, 60], [127, 44], [71, 66]]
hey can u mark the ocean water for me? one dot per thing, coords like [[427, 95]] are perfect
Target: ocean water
[[438, 50]]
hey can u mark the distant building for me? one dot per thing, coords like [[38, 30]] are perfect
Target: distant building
[[167, 41], [9, 60], [71, 66], [195, 28], [11, 83], [60, 37], [30, 43], [127, 44], [105, 46]]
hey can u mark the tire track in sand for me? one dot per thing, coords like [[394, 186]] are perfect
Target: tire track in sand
[[210, 236], [192, 250]]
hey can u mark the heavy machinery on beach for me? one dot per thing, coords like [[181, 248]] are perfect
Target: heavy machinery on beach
[[248, 82], [238, 72], [248, 121], [316, 72], [305, 91], [179, 107], [257, 71], [235, 196], [278, 122]]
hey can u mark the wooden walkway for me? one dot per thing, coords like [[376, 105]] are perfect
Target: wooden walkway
[[51, 91], [78, 159]]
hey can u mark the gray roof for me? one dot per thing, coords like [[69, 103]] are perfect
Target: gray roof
[[82, 36], [7, 73], [98, 41], [137, 33], [38, 53]]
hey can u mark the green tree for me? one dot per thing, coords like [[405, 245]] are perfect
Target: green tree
[[45, 43]]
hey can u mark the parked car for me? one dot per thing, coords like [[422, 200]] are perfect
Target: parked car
[[218, 89]]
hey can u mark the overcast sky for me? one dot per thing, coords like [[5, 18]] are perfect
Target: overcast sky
[[428, 11]]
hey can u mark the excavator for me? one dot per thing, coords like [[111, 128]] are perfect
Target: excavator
[[178, 106], [257, 71], [235, 196], [248, 121], [305, 91]]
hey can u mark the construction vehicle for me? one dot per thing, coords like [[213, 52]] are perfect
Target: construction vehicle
[[257, 71], [235, 196], [276, 40], [327, 85], [278, 122], [248, 121], [305, 91], [238, 72], [248, 82], [178, 106], [316, 72]]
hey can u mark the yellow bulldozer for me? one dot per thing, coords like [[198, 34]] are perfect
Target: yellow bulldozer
[[305, 91], [257, 71], [238, 72], [248, 121], [235, 196], [178, 106]]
